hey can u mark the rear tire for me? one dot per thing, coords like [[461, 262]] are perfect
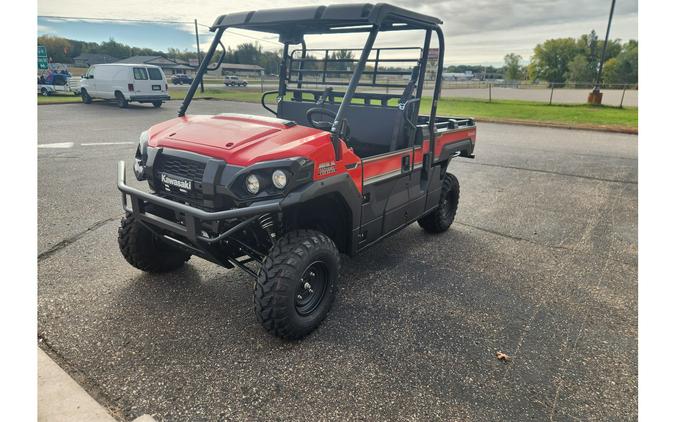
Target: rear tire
[[121, 101], [44, 92], [442, 217], [296, 284], [244, 84], [157, 104], [85, 96], [143, 250]]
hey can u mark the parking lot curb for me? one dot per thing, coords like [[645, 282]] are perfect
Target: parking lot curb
[[61, 398]]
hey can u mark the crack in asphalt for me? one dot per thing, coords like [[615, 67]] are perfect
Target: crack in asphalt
[[543, 245], [582, 308], [72, 239], [600, 179]]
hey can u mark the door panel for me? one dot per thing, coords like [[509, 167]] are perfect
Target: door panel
[[419, 179], [386, 184]]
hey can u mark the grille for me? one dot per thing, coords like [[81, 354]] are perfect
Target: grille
[[193, 170], [186, 169]]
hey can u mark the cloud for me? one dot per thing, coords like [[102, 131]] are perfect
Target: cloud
[[476, 31]]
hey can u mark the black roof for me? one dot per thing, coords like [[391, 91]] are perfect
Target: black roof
[[327, 19]]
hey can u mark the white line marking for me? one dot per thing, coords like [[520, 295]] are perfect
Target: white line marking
[[106, 143], [57, 145]]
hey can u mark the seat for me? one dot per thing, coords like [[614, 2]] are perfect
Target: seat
[[374, 129], [371, 127]]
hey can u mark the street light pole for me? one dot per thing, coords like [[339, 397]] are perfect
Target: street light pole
[[595, 97], [199, 54]]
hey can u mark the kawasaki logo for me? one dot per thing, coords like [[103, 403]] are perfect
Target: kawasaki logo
[[179, 183]]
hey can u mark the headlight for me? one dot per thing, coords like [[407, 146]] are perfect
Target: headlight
[[252, 184], [279, 179]]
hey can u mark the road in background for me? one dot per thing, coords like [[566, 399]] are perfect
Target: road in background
[[611, 97], [541, 264]]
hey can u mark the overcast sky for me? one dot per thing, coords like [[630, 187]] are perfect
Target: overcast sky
[[476, 31]]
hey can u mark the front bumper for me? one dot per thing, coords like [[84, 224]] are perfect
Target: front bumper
[[192, 217]]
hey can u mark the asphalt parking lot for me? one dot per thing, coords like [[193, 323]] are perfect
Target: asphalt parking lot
[[541, 264]]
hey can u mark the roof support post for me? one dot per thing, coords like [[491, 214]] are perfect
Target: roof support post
[[282, 71], [437, 93], [353, 84], [201, 71]]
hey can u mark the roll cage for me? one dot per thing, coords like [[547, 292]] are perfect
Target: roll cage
[[292, 24]]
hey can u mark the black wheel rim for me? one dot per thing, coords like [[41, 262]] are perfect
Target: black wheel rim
[[311, 288]]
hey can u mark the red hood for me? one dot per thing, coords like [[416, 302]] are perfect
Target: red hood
[[237, 138]]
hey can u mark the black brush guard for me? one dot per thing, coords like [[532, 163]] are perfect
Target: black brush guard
[[192, 217]]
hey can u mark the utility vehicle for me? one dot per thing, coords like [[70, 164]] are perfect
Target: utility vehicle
[[330, 172], [125, 83]]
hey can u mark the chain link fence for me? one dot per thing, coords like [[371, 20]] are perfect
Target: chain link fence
[[618, 95]]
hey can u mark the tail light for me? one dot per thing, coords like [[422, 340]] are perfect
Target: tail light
[[166, 87], [130, 87]]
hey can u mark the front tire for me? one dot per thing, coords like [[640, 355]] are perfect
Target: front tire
[[442, 217], [85, 96], [121, 101], [296, 284], [143, 250]]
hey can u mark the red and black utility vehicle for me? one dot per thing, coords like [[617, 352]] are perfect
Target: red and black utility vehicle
[[331, 172]]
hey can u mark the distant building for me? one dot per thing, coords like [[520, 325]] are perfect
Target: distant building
[[88, 59], [239, 69], [457, 76], [170, 67]]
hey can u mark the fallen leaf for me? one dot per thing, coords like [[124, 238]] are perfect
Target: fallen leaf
[[503, 356]]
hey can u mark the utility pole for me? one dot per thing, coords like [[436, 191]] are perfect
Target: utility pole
[[199, 53], [595, 97]]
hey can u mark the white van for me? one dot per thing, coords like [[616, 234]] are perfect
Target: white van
[[125, 83]]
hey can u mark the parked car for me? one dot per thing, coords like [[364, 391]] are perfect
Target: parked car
[[55, 83], [180, 79], [125, 83], [232, 80]]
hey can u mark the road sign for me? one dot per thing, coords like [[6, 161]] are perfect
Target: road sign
[[42, 51], [193, 62], [433, 54], [43, 63]]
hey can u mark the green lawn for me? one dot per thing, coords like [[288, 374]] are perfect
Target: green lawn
[[65, 98], [582, 116]]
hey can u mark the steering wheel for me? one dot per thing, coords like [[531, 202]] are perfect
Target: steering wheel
[[320, 124]]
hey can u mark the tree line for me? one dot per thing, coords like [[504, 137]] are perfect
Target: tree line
[[570, 60], [559, 60], [64, 50]]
